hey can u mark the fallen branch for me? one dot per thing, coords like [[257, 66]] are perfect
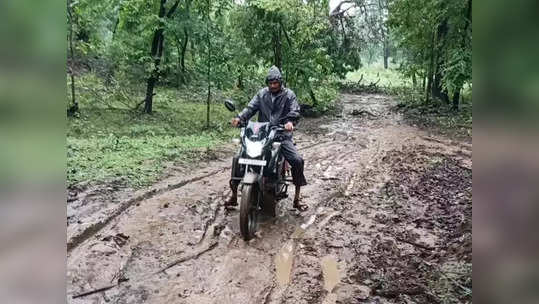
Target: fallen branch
[[330, 178], [189, 257], [361, 112], [87, 293], [208, 223]]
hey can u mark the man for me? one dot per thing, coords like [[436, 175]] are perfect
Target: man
[[277, 105]]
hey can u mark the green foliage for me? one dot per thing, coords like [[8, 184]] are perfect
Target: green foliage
[[107, 141], [435, 37], [238, 41], [326, 95]]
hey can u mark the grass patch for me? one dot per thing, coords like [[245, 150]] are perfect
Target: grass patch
[[110, 142], [377, 74]]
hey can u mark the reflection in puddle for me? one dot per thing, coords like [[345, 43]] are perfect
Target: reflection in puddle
[[283, 263], [298, 233], [330, 299], [330, 272]]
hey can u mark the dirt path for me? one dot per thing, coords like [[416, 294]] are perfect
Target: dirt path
[[389, 222]]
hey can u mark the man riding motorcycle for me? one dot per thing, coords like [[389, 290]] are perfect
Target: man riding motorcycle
[[277, 105]]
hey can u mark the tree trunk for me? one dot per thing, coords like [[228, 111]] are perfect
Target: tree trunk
[[240, 80], [386, 54], [74, 104], [277, 60], [430, 70], [184, 50], [456, 98], [179, 74], [428, 90], [157, 53], [439, 62], [181, 46], [209, 65], [460, 83]]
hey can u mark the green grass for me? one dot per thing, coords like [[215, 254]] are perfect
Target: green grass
[[371, 74], [109, 142]]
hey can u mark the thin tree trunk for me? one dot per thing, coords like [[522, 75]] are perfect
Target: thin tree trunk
[[111, 68], [74, 104], [456, 94], [240, 80], [157, 53], [277, 56], [179, 74], [441, 34], [209, 66], [386, 54], [431, 69], [184, 50], [181, 46], [456, 98]]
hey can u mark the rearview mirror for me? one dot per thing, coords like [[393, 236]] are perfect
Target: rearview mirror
[[229, 104]]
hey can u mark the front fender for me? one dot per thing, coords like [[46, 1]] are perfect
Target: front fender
[[250, 178]]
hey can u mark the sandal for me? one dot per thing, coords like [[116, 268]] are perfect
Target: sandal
[[231, 202], [300, 207]]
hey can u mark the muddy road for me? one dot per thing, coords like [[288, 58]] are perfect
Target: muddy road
[[389, 221]]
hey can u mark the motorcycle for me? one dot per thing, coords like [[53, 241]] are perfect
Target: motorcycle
[[262, 171]]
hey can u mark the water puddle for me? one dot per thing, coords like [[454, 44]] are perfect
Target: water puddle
[[285, 258], [330, 299], [283, 263], [300, 231], [330, 272]]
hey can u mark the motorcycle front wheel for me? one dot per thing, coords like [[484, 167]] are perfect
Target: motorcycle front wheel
[[248, 211]]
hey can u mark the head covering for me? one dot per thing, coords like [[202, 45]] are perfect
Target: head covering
[[274, 74]]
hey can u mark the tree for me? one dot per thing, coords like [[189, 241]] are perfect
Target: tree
[[208, 40], [157, 51], [436, 35], [74, 107]]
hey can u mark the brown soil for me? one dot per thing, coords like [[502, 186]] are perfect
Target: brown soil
[[389, 222]]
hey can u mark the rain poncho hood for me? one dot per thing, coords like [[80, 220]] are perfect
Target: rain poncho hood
[[274, 74]]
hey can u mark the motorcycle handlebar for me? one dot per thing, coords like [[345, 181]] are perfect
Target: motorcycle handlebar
[[279, 127]]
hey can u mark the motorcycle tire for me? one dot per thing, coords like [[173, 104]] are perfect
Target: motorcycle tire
[[269, 203], [248, 212]]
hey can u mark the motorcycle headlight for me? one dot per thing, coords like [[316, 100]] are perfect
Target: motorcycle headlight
[[254, 148]]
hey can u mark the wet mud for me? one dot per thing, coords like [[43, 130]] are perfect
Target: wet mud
[[389, 221]]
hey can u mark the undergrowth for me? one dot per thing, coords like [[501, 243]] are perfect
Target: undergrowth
[[110, 141]]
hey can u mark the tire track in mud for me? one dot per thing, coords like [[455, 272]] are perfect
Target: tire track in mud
[[343, 169], [95, 227]]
